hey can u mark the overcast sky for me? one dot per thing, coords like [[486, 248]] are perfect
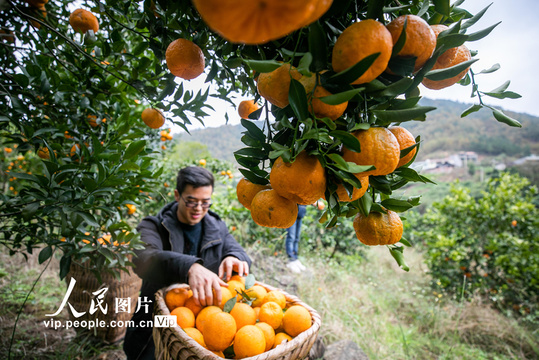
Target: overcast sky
[[514, 44]]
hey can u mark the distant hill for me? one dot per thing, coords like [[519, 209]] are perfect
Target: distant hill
[[443, 131]]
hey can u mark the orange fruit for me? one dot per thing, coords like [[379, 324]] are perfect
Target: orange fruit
[[321, 7], [378, 228], [257, 311], [275, 296], [280, 338], [131, 209], [236, 287], [219, 331], [92, 120], [184, 317], [82, 20], [269, 334], [246, 107], [191, 304], [358, 41], [44, 153], [316, 106], [303, 181], [74, 150], [257, 293], [196, 335], [226, 294], [450, 53], [463, 54], [420, 39], [296, 320], [274, 86], [176, 297], [254, 21], [218, 353], [249, 341], [236, 277], [379, 147], [243, 314], [271, 313], [204, 315], [405, 139], [153, 118], [342, 194], [185, 59], [270, 209], [246, 191]]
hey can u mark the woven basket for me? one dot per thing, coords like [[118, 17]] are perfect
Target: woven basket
[[174, 343], [127, 287]]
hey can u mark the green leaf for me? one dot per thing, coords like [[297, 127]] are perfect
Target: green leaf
[[45, 254], [341, 97], [354, 72], [317, 47], [254, 178], [249, 281], [501, 117], [492, 69], [365, 204], [442, 7], [396, 205], [447, 73], [304, 64], [468, 23], [65, 265], [21, 79], [252, 152], [298, 100], [230, 304], [134, 148], [471, 109], [396, 88], [482, 33], [405, 242], [29, 210], [349, 140], [263, 66], [143, 45], [451, 40], [412, 175], [254, 131], [503, 95], [397, 47], [415, 113], [397, 253]]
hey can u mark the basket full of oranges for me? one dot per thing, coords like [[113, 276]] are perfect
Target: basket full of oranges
[[254, 321]]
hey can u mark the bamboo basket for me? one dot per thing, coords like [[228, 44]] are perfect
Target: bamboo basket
[[127, 287], [172, 343]]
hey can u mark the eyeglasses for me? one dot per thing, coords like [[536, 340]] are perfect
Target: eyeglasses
[[193, 204]]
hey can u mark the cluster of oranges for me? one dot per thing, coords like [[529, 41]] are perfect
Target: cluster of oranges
[[247, 322]]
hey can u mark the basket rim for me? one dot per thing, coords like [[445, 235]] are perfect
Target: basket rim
[[274, 353]]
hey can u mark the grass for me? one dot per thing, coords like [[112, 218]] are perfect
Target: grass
[[389, 313]]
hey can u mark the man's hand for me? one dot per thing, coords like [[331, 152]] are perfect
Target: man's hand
[[231, 263], [202, 282]]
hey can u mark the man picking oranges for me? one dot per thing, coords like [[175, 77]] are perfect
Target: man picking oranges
[[185, 243]]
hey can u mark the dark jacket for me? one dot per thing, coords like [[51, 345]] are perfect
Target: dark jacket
[[162, 262]]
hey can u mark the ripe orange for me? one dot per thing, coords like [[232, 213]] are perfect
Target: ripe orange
[[243, 314], [249, 341], [239, 278], [270, 209], [378, 228], [44, 153], [405, 139], [321, 7], [74, 150], [82, 20], [131, 209], [92, 120], [176, 297], [379, 147], [191, 304], [343, 196], [420, 38], [271, 313], [226, 294], [204, 315], [463, 54], [269, 334], [280, 338], [246, 107], [449, 54], [274, 86], [196, 335], [257, 293], [358, 41], [219, 331], [184, 317], [316, 106], [246, 191], [236, 287], [254, 21], [296, 320], [153, 118], [275, 296], [185, 59], [302, 181]]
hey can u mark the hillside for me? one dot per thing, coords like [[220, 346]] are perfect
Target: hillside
[[444, 131]]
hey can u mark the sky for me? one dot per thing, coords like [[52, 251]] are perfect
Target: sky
[[514, 45]]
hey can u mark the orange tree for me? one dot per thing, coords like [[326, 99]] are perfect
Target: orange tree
[[75, 98]]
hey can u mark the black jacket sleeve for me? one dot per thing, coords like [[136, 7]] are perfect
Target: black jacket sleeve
[[157, 265]]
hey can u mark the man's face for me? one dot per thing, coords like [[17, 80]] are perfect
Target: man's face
[[193, 196]]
